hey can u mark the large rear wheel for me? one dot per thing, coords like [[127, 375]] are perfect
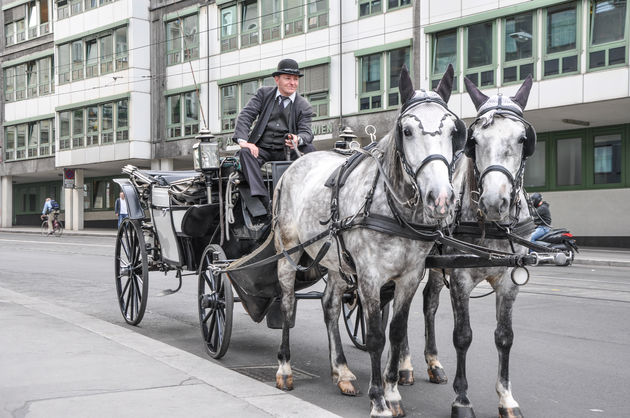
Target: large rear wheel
[[132, 271], [216, 303]]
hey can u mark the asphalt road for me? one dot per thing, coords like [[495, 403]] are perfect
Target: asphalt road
[[570, 357]]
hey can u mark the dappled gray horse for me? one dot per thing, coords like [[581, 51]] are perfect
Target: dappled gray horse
[[489, 181], [405, 176]]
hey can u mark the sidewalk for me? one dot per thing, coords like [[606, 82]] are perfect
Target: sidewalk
[[612, 257], [56, 362]]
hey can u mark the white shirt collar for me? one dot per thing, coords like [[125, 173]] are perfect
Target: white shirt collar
[[291, 97]]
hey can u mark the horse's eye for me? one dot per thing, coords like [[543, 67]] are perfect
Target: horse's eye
[[407, 132]]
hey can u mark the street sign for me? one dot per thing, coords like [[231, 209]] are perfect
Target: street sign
[[68, 178]]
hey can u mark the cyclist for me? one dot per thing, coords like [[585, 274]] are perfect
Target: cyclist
[[50, 210]]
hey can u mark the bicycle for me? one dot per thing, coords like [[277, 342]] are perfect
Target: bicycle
[[57, 226]]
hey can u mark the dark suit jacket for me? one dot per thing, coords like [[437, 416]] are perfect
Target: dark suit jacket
[[260, 107]]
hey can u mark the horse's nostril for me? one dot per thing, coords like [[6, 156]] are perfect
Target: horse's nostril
[[431, 197], [504, 204]]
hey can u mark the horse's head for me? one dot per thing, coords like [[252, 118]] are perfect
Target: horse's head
[[499, 141], [427, 136]]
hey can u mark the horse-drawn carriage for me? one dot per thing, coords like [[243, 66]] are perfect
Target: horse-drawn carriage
[[398, 197], [199, 223]]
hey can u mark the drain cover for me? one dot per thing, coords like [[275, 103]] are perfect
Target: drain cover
[[268, 373]]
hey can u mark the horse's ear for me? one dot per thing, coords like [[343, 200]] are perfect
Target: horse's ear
[[477, 97], [445, 86], [405, 86], [522, 94]]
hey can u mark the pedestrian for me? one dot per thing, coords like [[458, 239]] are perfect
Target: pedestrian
[[50, 211], [120, 208], [542, 217], [283, 119]]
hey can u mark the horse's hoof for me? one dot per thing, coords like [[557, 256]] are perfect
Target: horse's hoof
[[396, 408], [405, 377], [284, 382], [462, 412], [348, 387], [510, 412], [437, 375]]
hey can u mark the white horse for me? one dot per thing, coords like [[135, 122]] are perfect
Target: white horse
[[406, 175], [489, 181]]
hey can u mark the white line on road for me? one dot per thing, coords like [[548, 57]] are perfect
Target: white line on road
[[58, 243]]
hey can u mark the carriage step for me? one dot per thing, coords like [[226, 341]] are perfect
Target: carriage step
[[313, 294]]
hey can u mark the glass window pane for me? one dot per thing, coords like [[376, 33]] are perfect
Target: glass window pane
[[480, 44], [249, 19], [569, 162], [121, 48], [64, 124], [397, 58], [174, 110], [77, 122], [191, 107], [609, 20], [228, 21], [518, 37], [107, 49], [248, 89], [270, 12], [191, 37], [173, 36], [445, 51], [371, 73], [535, 170], [122, 116], [107, 121], [607, 159], [561, 30]]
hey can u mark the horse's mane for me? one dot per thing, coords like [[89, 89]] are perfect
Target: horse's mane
[[391, 161]]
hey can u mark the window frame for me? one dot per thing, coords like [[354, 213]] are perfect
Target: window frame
[[266, 23], [560, 56], [317, 16], [372, 94], [518, 63], [183, 124], [400, 6], [371, 12], [252, 35], [294, 22], [228, 42], [122, 131], [436, 77], [478, 71], [606, 46]]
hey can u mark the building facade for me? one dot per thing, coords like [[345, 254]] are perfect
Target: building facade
[[136, 88]]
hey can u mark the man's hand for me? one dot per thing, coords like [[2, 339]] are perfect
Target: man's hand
[[252, 147], [42, 216], [289, 140]]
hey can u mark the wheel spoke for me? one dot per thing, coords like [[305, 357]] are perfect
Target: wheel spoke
[[211, 326], [351, 312], [207, 316]]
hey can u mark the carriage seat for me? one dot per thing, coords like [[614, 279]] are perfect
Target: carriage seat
[[165, 178]]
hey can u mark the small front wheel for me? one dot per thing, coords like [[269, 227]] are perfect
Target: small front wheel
[[354, 319], [216, 303], [44, 228]]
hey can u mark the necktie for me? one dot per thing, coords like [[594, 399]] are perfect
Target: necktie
[[284, 101]]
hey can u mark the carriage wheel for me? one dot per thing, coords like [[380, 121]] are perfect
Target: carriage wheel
[[132, 271], [354, 318], [216, 303]]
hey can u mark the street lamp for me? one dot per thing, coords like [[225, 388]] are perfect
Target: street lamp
[[206, 152]]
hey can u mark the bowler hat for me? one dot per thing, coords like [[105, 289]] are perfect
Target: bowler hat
[[287, 66]]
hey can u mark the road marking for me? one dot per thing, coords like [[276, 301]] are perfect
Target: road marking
[[64, 243]]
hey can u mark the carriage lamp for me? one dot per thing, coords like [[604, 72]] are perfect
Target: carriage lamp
[[348, 139], [206, 152]]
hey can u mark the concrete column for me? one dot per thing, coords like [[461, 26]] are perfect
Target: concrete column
[[77, 200], [166, 164], [68, 207], [6, 202], [155, 164]]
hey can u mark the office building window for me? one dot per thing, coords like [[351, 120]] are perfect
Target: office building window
[[33, 139], [480, 65], [122, 120], [378, 80], [371, 91], [249, 23], [518, 41], [77, 60], [183, 115], [78, 130], [317, 14], [569, 162], [229, 35], [92, 123], [607, 157], [229, 106], [561, 52], [314, 87], [122, 49], [293, 17], [9, 84], [106, 54], [28, 140], [182, 39], [91, 58], [444, 52], [536, 170], [63, 9], [608, 33], [20, 82], [9, 143], [64, 130], [271, 17], [31, 78], [370, 7]]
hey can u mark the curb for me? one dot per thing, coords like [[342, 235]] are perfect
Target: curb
[[79, 233]]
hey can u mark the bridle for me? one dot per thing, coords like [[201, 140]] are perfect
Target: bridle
[[516, 180], [400, 152]]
